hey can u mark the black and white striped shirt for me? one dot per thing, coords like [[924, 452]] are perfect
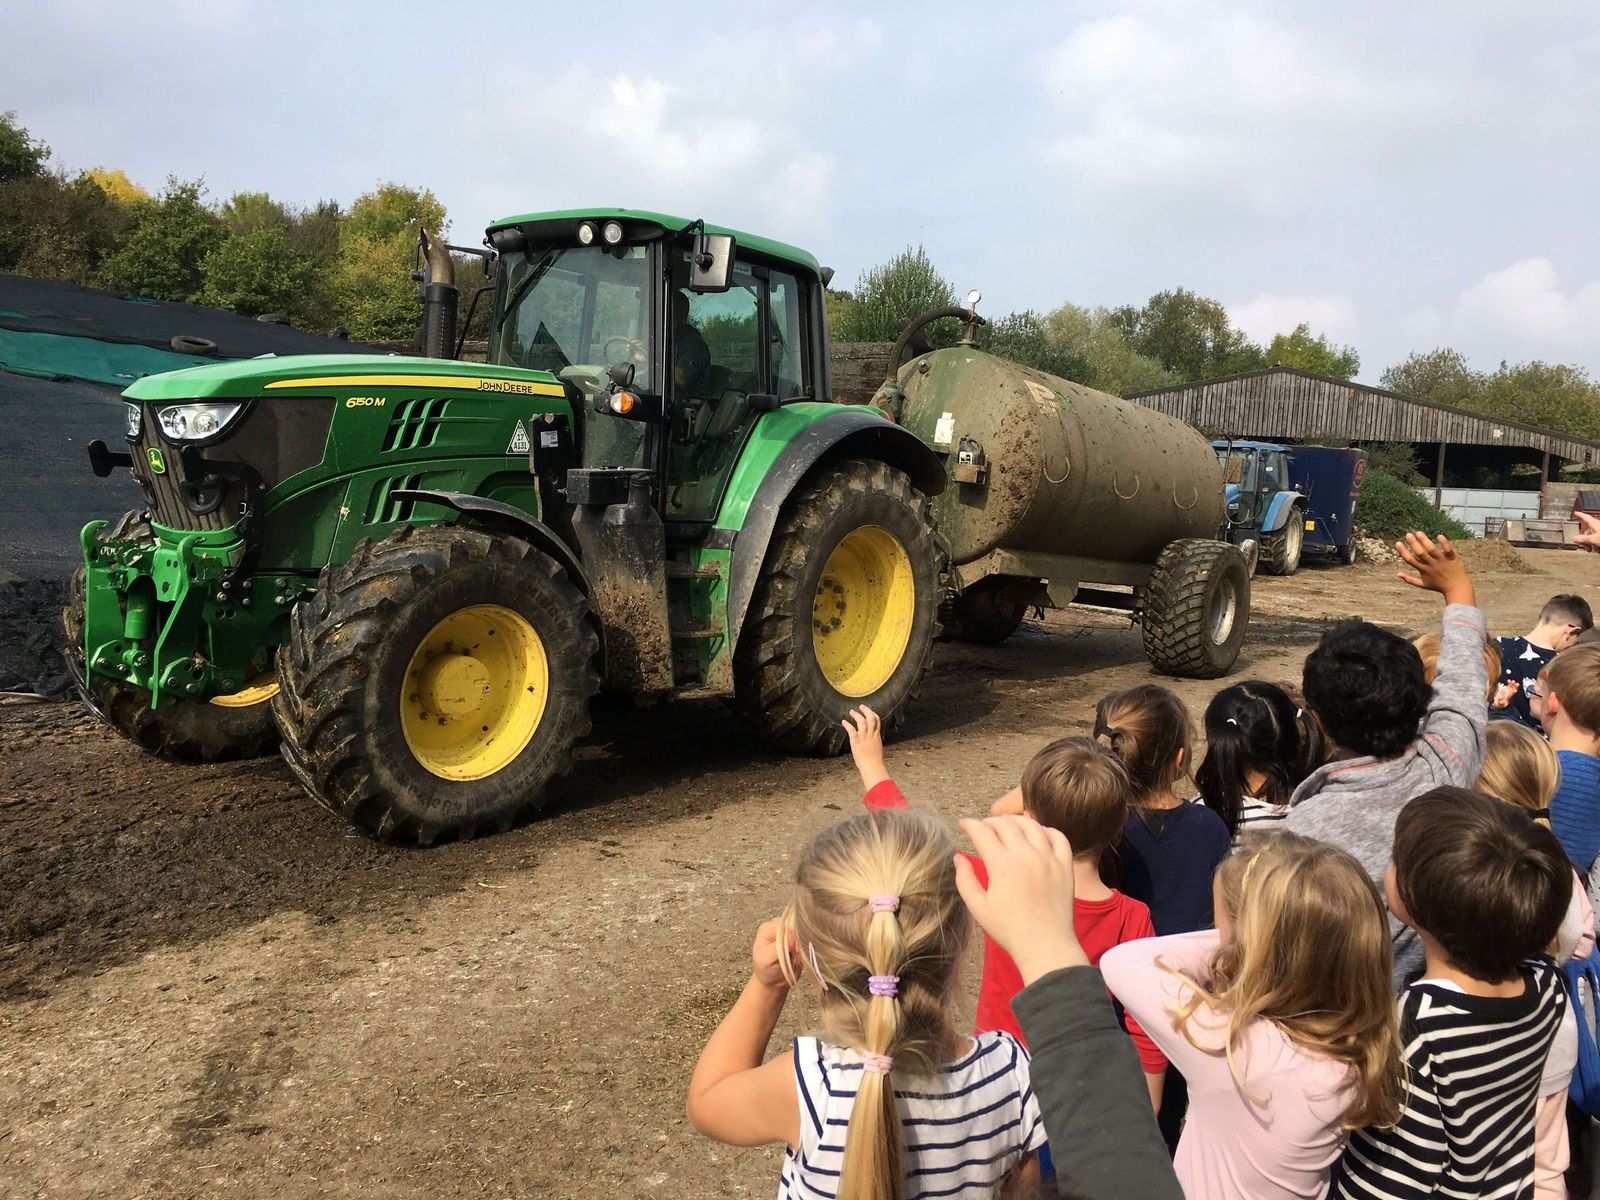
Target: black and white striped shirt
[[965, 1128], [1475, 1066]]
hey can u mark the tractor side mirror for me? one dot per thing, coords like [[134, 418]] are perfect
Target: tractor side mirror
[[711, 264], [763, 402]]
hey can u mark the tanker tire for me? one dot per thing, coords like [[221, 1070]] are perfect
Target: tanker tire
[[184, 731], [977, 620], [1281, 549], [778, 686], [342, 671], [1193, 581], [1347, 553]]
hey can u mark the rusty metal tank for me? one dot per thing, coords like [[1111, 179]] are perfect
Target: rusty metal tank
[[1069, 470]]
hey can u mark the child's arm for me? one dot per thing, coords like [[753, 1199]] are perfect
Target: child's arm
[[864, 728], [1151, 1058], [1457, 714], [1551, 1152], [1144, 976], [732, 1096], [1406, 1159]]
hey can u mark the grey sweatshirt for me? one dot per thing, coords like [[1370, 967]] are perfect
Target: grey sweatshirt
[[1353, 803]]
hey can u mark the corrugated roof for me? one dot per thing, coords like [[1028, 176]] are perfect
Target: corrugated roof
[[1286, 402]]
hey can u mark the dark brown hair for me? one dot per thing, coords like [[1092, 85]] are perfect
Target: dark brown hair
[[1081, 788], [1567, 609], [1146, 727], [1482, 878]]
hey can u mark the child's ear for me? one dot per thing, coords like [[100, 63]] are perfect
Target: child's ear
[[1182, 759]]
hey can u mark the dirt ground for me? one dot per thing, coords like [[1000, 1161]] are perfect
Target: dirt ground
[[208, 986]]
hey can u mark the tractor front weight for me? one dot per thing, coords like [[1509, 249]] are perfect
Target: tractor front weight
[[174, 617]]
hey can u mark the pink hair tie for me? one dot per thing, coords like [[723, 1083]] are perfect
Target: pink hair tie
[[883, 985], [883, 902], [816, 967], [879, 1064]]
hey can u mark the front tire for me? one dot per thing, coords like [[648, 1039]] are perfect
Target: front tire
[[229, 727], [846, 610], [1196, 609], [436, 683], [1280, 550]]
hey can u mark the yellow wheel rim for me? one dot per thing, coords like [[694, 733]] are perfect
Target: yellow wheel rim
[[861, 617], [258, 691], [474, 692]]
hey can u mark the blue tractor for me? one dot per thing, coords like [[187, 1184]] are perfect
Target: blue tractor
[[1290, 499]]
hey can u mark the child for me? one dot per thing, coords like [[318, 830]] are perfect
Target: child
[[1282, 1019], [1428, 648], [1570, 693], [1393, 738], [1560, 622], [1072, 785], [1259, 746], [1485, 888], [891, 1099], [1519, 768], [1169, 847]]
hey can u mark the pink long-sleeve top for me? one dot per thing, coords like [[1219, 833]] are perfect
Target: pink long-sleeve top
[[1232, 1146]]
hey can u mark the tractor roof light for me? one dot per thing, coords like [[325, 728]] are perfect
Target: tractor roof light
[[612, 233], [196, 422], [586, 234]]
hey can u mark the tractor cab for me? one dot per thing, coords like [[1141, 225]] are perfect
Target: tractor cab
[[673, 340], [1252, 476]]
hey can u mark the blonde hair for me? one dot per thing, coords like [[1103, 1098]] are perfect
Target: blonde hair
[[848, 940], [1310, 952], [1519, 768], [1428, 648]]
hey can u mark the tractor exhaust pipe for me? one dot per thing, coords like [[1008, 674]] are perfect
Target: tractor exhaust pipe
[[437, 336]]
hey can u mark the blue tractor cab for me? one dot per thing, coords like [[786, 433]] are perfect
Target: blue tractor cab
[[1289, 499]]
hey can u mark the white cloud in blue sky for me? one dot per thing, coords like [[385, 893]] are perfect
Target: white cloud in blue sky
[[1401, 176]]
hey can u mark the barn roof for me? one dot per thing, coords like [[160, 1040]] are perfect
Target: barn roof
[[1288, 403]]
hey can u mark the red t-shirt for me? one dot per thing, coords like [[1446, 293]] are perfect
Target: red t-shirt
[[1099, 924]]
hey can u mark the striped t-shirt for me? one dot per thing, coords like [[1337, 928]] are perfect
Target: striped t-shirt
[[965, 1128], [1475, 1065]]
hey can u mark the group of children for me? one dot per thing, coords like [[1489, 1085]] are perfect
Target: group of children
[[1373, 833]]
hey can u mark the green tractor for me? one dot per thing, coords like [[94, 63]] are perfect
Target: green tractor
[[414, 574]]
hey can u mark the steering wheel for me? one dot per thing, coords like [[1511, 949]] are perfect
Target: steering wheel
[[632, 349]]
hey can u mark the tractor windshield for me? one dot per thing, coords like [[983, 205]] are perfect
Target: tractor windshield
[[565, 306]]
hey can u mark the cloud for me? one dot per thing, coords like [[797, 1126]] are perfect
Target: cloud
[[720, 136], [1184, 104], [1519, 311], [1268, 314]]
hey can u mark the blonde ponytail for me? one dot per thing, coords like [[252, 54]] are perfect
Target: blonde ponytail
[[877, 914]]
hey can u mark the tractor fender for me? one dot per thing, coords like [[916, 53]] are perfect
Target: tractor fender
[[856, 431], [1283, 504], [496, 516]]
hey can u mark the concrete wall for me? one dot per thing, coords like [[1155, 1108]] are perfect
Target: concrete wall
[[1472, 506], [1560, 497]]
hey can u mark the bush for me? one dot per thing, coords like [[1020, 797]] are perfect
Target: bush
[[1389, 509], [906, 286]]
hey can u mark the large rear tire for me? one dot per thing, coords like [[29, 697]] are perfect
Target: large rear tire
[[846, 610], [237, 726], [436, 683], [1280, 550], [1196, 609]]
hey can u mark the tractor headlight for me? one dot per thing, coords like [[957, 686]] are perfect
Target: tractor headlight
[[135, 419], [196, 422]]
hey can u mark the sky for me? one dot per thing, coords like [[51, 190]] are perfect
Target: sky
[[1401, 176]]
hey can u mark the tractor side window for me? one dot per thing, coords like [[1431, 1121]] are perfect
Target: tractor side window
[[786, 340]]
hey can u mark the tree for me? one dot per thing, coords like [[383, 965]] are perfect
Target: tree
[[370, 286], [116, 184], [904, 287], [1187, 334], [171, 237], [55, 228], [1315, 354], [21, 157], [256, 273], [1440, 376], [1111, 364], [839, 303], [392, 210], [247, 212], [1552, 395], [1025, 338]]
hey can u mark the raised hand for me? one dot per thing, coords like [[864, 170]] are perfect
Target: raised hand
[[765, 968], [864, 728], [1437, 567], [1588, 532], [1027, 906]]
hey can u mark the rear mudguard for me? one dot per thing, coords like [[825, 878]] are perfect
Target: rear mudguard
[[852, 432]]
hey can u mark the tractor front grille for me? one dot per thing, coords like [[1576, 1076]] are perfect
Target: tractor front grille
[[172, 502]]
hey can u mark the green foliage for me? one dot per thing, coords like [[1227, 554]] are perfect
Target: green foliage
[[904, 287], [839, 303], [1025, 338], [1187, 334], [1440, 376], [369, 285], [1396, 459], [1551, 395], [255, 273], [1315, 354], [247, 212], [1111, 364], [1389, 509], [55, 228], [394, 211], [171, 237], [21, 157]]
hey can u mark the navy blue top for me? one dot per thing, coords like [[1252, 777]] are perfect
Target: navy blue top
[[1575, 808], [1168, 856]]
